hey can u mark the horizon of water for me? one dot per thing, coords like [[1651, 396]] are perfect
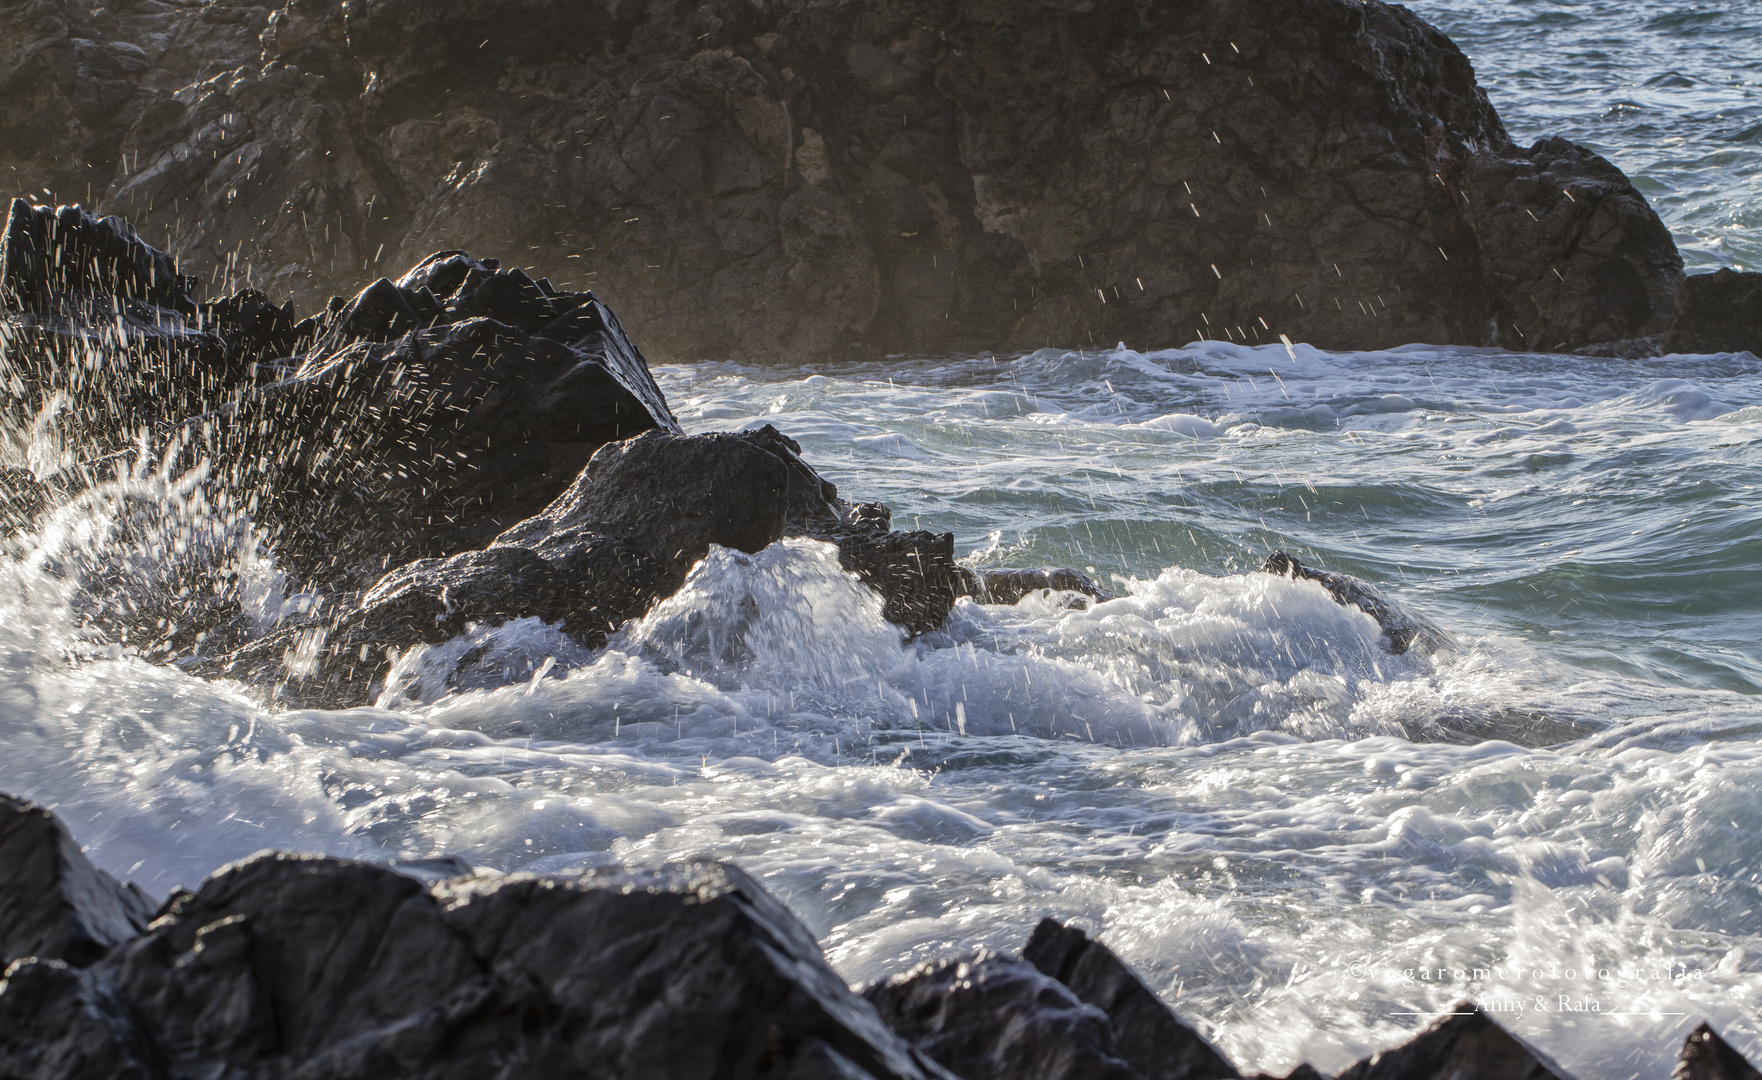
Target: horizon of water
[[1308, 846]]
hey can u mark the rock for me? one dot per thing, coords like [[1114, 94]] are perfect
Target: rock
[[1467, 1045], [1009, 586], [993, 1017], [1152, 1039], [53, 261], [914, 572], [621, 538], [54, 904], [421, 418], [789, 182], [1717, 312], [299, 965], [432, 414], [1706, 1056], [1570, 253], [1402, 629]]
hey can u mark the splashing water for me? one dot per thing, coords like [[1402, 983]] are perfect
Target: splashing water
[[1302, 840]]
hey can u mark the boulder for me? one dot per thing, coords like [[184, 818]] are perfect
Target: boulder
[[1152, 1039], [796, 181], [1402, 629], [54, 904], [299, 965], [1706, 1056], [993, 1017], [1465, 1045], [431, 414], [1717, 312]]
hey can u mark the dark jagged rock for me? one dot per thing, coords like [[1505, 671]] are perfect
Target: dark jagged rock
[[1706, 1056], [788, 181], [1402, 629], [1009, 586], [286, 965], [1149, 1037], [993, 1017], [435, 412], [1467, 1045], [1717, 312], [54, 904], [56, 260]]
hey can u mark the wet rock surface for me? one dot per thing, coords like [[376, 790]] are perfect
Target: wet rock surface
[[299, 965], [994, 1017], [1706, 1056], [55, 904], [286, 965], [792, 181], [1151, 1038], [1466, 1045], [1717, 312], [1402, 629]]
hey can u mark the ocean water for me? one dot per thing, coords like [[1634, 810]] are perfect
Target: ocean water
[[1306, 844]]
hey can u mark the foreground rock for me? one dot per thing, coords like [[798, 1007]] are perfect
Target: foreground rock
[[297, 965], [1150, 1037], [286, 965], [1466, 1045], [55, 904], [793, 181], [1706, 1056], [994, 1017]]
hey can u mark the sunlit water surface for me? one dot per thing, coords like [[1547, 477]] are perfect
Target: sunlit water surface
[[1304, 843]]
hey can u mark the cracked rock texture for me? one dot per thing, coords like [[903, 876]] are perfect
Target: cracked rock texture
[[791, 180]]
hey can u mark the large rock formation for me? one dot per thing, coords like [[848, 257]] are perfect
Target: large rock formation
[[463, 446], [793, 180]]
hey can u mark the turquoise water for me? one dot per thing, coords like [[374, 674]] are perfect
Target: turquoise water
[[1305, 843]]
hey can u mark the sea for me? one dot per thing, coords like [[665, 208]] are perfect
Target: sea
[[1309, 846]]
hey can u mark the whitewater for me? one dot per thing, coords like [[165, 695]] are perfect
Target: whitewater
[[1307, 845]]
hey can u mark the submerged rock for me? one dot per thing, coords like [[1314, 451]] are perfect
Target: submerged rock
[[1402, 629], [54, 904], [1466, 1045], [1009, 586], [1706, 1056], [790, 181], [1717, 312], [1148, 1036]]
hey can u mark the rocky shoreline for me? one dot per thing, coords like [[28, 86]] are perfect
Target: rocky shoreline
[[284, 965]]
